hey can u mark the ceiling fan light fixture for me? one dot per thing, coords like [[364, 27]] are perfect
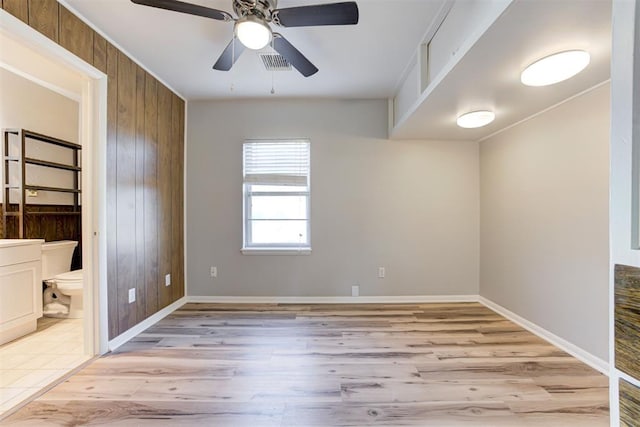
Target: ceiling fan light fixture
[[253, 32], [555, 68], [476, 119]]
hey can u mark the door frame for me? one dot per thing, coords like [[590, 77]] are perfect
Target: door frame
[[90, 91]]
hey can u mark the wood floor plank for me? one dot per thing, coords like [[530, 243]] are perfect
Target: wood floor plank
[[124, 413], [442, 391], [425, 414], [498, 369], [446, 364], [164, 367]]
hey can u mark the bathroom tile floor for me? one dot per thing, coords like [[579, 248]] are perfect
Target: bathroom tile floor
[[30, 363]]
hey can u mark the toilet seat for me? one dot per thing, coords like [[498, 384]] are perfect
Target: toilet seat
[[71, 280], [69, 276]]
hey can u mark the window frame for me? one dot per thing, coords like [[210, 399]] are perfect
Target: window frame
[[247, 216]]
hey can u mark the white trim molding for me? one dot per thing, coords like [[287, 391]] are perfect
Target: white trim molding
[[577, 352], [146, 323], [408, 299], [79, 80]]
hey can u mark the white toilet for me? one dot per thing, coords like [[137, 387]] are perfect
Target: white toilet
[[65, 284]]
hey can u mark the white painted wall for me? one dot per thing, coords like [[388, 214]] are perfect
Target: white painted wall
[[410, 206], [622, 89], [28, 105], [544, 220]]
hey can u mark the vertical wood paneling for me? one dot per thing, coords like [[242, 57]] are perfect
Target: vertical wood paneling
[[75, 35], [627, 319], [125, 188], [139, 196], [99, 53], [177, 205], [151, 194], [112, 206], [629, 404], [18, 8], [164, 194], [44, 17]]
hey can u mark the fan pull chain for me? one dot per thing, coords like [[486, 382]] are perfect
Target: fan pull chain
[[233, 55], [273, 90], [233, 49]]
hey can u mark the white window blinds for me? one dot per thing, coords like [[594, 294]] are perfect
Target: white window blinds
[[276, 162]]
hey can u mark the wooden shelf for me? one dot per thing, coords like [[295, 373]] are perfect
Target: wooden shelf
[[52, 213], [44, 138], [56, 189], [54, 165]]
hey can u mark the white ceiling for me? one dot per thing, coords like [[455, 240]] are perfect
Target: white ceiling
[[367, 60], [362, 61], [488, 76]]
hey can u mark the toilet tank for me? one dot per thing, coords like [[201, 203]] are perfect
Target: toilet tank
[[56, 257]]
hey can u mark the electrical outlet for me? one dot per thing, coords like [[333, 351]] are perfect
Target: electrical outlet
[[381, 272], [132, 295], [214, 271], [167, 280], [355, 290]]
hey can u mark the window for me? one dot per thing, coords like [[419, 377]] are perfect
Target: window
[[276, 194]]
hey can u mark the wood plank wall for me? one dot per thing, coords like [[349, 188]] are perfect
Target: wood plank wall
[[629, 404], [48, 227], [627, 339], [627, 319], [145, 142]]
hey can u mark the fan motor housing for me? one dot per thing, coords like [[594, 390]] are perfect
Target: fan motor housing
[[260, 8]]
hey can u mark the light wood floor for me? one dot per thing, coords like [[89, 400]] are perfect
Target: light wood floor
[[329, 365]]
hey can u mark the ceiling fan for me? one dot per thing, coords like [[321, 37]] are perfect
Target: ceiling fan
[[251, 27]]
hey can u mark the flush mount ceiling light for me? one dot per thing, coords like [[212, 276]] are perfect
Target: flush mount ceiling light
[[555, 68], [476, 119], [253, 32]]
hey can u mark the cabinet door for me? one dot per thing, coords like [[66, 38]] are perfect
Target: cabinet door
[[20, 295]]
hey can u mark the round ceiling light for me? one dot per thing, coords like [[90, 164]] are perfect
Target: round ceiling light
[[476, 119], [555, 68], [253, 32]]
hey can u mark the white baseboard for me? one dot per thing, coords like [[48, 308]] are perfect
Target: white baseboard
[[577, 352], [582, 355], [149, 321], [408, 299]]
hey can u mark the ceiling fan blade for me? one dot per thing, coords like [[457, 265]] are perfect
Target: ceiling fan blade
[[345, 13], [293, 55], [229, 56], [191, 9]]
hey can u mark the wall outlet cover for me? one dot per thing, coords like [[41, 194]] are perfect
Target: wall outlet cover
[[355, 290], [214, 271], [132, 295], [167, 280]]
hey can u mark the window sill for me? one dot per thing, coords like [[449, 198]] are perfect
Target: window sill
[[276, 251]]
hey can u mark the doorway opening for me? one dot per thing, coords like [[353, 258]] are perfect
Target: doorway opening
[[31, 60]]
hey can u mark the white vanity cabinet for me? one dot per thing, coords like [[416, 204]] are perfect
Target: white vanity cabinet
[[20, 287]]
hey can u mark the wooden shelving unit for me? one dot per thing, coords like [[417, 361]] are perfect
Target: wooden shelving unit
[[19, 209]]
